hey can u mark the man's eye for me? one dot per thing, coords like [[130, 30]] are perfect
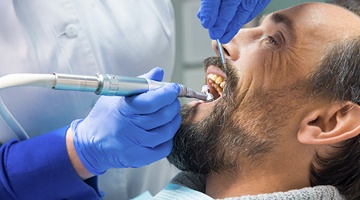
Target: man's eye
[[272, 41]]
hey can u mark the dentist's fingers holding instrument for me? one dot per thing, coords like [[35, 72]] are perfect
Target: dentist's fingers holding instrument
[[157, 107], [119, 131], [224, 18]]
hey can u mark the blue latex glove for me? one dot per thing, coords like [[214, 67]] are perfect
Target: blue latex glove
[[133, 131], [224, 18]]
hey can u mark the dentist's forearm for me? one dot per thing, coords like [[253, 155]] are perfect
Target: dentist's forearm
[[40, 168]]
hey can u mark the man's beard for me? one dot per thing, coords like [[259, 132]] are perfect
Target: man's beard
[[242, 129]]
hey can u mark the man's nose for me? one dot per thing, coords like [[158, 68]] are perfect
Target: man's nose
[[232, 50]]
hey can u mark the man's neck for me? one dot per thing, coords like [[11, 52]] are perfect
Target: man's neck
[[266, 178]]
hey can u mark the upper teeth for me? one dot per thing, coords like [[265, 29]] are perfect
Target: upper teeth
[[217, 82]]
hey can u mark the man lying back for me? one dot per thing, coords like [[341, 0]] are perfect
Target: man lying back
[[286, 121]]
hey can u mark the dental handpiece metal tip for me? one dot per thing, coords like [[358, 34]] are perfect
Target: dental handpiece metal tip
[[206, 90], [209, 97], [190, 93]]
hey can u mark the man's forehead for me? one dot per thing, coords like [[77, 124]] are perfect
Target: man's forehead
[[317, 15], [311, 9], [313, 21]]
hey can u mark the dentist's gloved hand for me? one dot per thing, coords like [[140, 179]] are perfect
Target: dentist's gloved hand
[[224, 18], [133, 131]]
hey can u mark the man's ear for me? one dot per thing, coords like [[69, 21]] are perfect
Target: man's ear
[[331, 124]]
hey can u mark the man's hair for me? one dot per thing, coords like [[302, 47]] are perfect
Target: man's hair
[[352, 5], [338, 79]]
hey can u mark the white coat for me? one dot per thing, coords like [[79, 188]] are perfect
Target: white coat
[[123, 37]]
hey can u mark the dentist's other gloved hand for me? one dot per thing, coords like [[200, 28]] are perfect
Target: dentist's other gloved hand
[[133, 131], [224, 18]]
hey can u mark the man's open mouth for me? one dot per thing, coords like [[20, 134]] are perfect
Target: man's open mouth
[[216, 81]]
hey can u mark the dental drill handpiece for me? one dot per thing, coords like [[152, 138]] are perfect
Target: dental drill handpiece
[[113, 85]]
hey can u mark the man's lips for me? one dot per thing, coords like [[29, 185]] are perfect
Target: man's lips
[[215, 70]]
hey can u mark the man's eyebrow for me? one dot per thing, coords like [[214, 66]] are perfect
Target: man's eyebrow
[[280, 18], [284, 19]]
